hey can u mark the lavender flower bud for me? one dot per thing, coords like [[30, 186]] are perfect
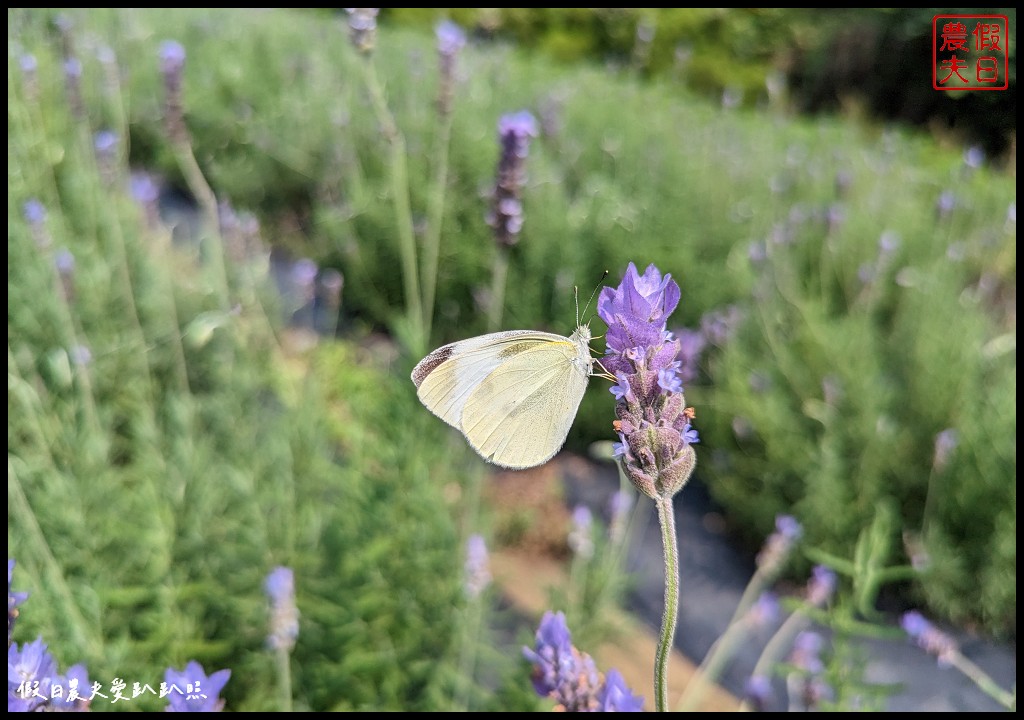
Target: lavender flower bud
[[821, 585], [450, 40], [619, 508], [195, 691], [106, 144], [806, 653], [945, 443], [779, 544], [284, 616], [758, 692], [929, 638], [581, 541], [506, 215], [477, 569], [362, 25], [172, 65], [764, 611]]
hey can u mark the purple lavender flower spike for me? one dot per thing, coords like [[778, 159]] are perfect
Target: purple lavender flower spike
[[928, 637], [581, 540], [284, 615], [506, 214], [778, 545], [362, 25], [450, 41], [821, 585], [569, 676], [477, 568], [172, 66], [554, 664], [653, 421], [450, 37], [193, 691], [806, 653]]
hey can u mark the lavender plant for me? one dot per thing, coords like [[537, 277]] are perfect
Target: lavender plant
[[506, 212], [656, 437], [570, 677]]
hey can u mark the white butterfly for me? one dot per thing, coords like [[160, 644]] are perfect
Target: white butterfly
[[513, 394]]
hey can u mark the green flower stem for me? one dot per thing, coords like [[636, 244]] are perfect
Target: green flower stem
[[403, 208], [722, 650], [77, 626], [497, 299], [671, 613], [773, 651], [435, 218], [207, 200], [284, 675], [980, 678]]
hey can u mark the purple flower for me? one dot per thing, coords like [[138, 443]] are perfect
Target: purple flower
[[172, 65], [778, 545], [758, 691], [190, 690], [105, 143], [284, 616], [945, 443], [615, 695], [636, 312], [71, 692], [362, 25], [569, 676], [806, 653], [928, 637], [581, 540], [945, 204], [64, 261], [821, 585], [653, 421], [506, 213], [621, 390], [974, 156], [172, 56], [477, 568], [618, 508], [719, 326], [450, 37], [554, 663], [691, 346], [28, 63], [668, 380], [30, 667], [34, 212], [764, 611], [144, 188]]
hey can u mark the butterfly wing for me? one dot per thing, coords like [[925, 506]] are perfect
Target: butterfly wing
[[514, 395]]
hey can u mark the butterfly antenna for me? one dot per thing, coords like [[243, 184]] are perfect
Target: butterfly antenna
[[603, 276]]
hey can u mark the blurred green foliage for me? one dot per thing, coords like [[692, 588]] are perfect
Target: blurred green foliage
[[155, 480], [820, 60], [184, 493]]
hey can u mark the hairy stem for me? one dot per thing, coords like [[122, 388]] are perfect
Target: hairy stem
[[671, 613]]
